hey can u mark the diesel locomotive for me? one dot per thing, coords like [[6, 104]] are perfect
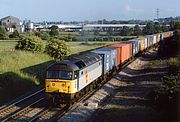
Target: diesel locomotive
[[73, 77]]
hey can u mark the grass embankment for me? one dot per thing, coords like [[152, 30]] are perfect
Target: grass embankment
[[20, 71]]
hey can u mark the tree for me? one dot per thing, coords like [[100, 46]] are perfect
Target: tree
[[177, 24], [164, 28], [171, 47], [74, 39], [157, 28], [15, 34], [57, 49], [110, 32], [54, 30], [43, 35], [96, 32], [176, 39], [31, 43], [126, 31], [149, 29], [3, 34], [137, 30]]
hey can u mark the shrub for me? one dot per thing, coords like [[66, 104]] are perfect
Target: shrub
[[54, 31], [57, 49], [31, 43], [15, 34], [174, 65], [3, 34], [43, 35]]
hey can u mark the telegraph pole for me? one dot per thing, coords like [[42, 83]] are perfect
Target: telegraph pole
[[157, 13]]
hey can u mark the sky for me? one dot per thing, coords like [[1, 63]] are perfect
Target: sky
[[81, 10]]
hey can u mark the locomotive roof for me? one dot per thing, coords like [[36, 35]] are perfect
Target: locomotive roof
[[76, 62]]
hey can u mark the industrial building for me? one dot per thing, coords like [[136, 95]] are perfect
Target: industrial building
[[89, 27], [13, 23], [106, 27], [10, 23]]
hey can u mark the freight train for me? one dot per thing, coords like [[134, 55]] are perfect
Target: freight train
[[69, 79]]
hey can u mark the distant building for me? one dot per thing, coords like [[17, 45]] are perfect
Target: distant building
[[11, 23], [28, 25], [106, 27]]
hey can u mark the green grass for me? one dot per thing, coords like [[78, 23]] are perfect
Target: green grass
[[20, 71], [7, 45], [77, 47], [69, 33]]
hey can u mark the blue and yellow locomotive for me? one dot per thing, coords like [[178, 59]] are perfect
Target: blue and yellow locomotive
[[71, 78]]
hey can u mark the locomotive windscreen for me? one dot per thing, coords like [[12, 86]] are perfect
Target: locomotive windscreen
[[60, 74]]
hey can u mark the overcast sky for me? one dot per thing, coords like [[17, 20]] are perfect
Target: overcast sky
[[80, 10]]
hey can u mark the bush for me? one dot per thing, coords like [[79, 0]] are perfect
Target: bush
[[3, 34], [54, 31], [174, 65], [57, 49], [43, 35], [170, 46], [15, 34], [171, 84], [31, 43]]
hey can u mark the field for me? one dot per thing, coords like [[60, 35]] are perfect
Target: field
[[77, 47], [7, 45], [21, 71], [89, 36]]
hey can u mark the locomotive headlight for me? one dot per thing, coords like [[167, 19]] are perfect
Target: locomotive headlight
[[53, 84]]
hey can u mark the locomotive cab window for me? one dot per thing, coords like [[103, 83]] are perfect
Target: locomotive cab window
[[60, 74]]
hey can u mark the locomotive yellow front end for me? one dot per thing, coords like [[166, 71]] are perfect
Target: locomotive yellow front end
[[60, 85], [61, 82]]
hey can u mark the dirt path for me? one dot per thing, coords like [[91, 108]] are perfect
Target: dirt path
[[130, 102]]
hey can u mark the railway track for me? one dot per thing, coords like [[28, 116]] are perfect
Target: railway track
[[10, 110], [48, 114]]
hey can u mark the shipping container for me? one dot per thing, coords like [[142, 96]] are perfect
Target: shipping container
[[135, 46], [154, 41], [105, 59], [157, 38], [151, 40], [141, 41], [148, 41], [145, 42], [161, 37], [112, 56], [124, 51], [118, 50]]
